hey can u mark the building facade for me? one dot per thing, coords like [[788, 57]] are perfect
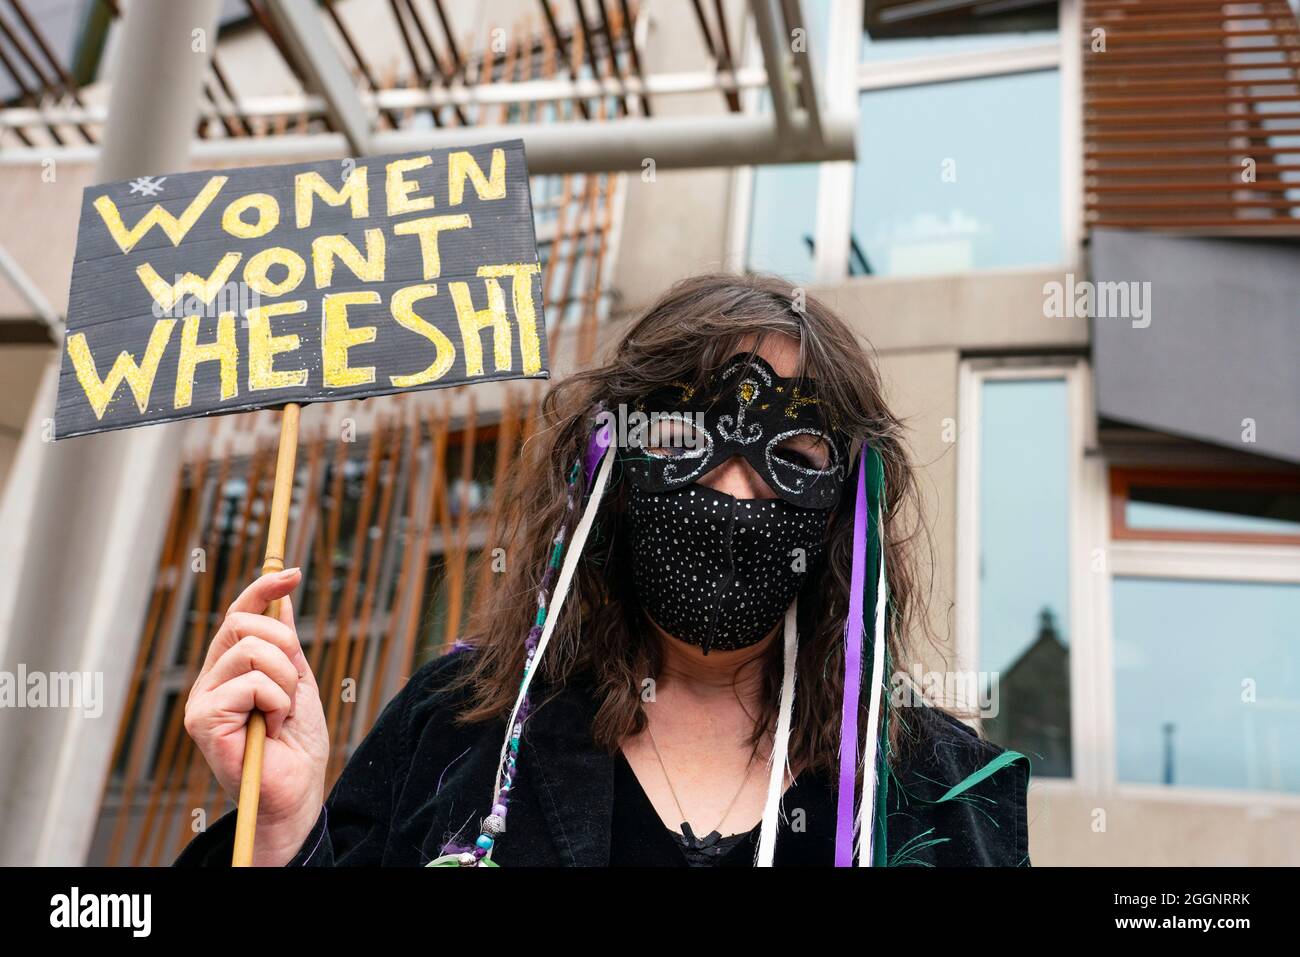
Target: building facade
[[1068, 231]]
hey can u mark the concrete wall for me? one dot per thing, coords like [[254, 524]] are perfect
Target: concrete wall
[[1150, 828], [20, 373]]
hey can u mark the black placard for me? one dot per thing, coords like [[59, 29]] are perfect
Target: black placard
[[394, 273]]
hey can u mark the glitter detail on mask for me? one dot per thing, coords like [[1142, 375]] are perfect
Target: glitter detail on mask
[[744, 410], [717, 571]]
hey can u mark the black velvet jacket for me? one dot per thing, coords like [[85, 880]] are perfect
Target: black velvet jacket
[[419, 780]]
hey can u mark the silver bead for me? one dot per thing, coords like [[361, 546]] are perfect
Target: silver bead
[[467, 859], [494, 824]]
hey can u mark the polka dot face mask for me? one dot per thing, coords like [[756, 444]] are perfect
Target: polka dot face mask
[[746, 409], [717, 571]]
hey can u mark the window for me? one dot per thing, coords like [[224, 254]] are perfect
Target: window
[[958, 167], [783, 221], [1207, 683], [900, 48], [574, 217], [477, 494], [952, 177], [1169, 597], [1023, 576], [1175, 506], [1205, 610]]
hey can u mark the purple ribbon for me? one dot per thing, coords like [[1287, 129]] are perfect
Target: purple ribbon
[[596, 447], [844, 819]]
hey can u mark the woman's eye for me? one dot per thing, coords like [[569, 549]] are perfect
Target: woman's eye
[[666, 452], [794, 457], [804, 451], [672, 437]]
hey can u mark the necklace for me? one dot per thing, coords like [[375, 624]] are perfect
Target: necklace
[[709, 843]]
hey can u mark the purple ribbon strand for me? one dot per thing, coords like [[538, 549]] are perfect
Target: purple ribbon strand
[[853, 635], [596, 447]]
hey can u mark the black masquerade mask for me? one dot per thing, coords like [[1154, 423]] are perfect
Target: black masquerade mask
[[710, 569], [744, 409]]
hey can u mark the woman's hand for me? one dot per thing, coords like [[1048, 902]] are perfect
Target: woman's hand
[[256, 662]]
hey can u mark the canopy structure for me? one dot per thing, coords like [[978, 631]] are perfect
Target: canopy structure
[[587, 53]]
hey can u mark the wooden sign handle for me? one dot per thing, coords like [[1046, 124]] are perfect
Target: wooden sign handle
[[250, 784]]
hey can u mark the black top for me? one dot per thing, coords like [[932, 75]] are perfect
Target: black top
[[640, 838], [421, 780]]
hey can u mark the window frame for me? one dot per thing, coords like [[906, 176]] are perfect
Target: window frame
[[1189, 561], [1097, 558], [1196, 556], [1201, 557], [974, 373], [1123, 478], [834, 217]]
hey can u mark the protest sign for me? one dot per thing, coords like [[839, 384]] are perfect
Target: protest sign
[[223, 291]]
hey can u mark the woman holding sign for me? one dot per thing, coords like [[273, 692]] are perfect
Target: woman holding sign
[[711, 599]]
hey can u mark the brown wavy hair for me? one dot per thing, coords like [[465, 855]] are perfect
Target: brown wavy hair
[[601, 640]]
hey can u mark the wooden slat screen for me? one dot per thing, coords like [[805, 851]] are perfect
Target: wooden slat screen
[[1192, 116]]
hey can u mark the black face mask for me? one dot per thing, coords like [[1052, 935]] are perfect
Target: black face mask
[[717, 571], [743, 409]]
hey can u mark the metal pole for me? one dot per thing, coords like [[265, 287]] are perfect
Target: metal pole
[[154, 99], [767, 16]]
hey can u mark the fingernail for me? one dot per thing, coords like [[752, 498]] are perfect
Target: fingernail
[[288, 573]]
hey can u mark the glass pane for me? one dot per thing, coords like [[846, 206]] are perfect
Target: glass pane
[[478, 493], [906, 47], [1207, 683], [783, 211], [1265, 511], [958, 176], [433, 633], [783, 221], [1024, 589], [1287, 143]]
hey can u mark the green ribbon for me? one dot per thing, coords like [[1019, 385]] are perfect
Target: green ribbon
[[453, 860], [997, 764]]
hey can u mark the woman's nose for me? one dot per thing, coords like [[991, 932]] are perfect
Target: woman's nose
[[737, 478]]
